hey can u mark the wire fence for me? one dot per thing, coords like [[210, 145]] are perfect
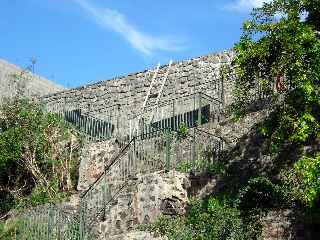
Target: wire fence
[[49, 222]]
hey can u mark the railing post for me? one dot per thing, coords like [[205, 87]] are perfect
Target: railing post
[[222, 92], [199, 111], [134, 165], [105, 200], [168, 150], [194, 150], [50, 218], [117, 121], [82, 220], [173, 127]]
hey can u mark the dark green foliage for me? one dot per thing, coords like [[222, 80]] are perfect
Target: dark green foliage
[[260, 194], [303, 180], [8, 229], [210, 219], [182, 131]]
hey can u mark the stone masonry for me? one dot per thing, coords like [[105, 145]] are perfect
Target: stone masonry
[[201, 74], [141, 202]]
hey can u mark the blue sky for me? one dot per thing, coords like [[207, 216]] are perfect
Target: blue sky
[[82, 41]]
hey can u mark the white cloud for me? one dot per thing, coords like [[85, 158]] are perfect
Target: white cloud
[[245, 5], [115, 21]]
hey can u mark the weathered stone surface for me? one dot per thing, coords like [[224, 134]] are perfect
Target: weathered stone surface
[[142, 202], [278, 225], [195, 75], [94, 156], [136, 235]]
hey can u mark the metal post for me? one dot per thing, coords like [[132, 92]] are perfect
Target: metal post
[[199, 111], [194, 133], [50, 218], [168, 150], [173, 113], [222, 92]]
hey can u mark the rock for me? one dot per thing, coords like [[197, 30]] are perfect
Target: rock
[[136, 235]]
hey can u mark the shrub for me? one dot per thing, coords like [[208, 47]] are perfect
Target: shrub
[[260, 194], [38, 154], [304, 180], [210, 219]]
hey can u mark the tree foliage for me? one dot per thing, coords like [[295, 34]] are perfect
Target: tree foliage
[[304, 180], [38, 154], [279, 54], [279, 42]]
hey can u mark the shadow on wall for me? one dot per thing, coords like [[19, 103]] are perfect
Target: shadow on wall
[[250, 158], [91, 126]]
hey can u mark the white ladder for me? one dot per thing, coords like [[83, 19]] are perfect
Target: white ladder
[[135, 130], [160, 92], [152, 85]]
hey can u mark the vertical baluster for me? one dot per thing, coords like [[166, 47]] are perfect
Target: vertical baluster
[[161, 118], [168, 153], [99, 129], [134, 157], [91, 127], [96, 129], [85, 126]]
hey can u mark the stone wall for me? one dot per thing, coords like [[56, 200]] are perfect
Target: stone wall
[[201, 74], [141, 202], [94, 157], [14, 81]]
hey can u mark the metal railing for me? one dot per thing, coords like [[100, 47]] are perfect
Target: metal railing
[[49, 222], [189, 110], [97, 127], [112, 122]]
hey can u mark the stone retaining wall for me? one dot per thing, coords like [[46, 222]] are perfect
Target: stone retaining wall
[[201, 74], [142, 201]]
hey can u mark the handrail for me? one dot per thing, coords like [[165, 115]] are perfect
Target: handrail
[[212, 135], [115, 159], [107, 167], [109, 201], [211, 98]]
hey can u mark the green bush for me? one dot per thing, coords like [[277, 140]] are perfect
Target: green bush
[[260, 194], [200, 165], [39, 155], [9, 229], [210, 219], [272, 48], [182, 131], [304, 180]]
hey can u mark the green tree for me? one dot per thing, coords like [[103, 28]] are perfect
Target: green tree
[[279, 53], [38, 154]]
